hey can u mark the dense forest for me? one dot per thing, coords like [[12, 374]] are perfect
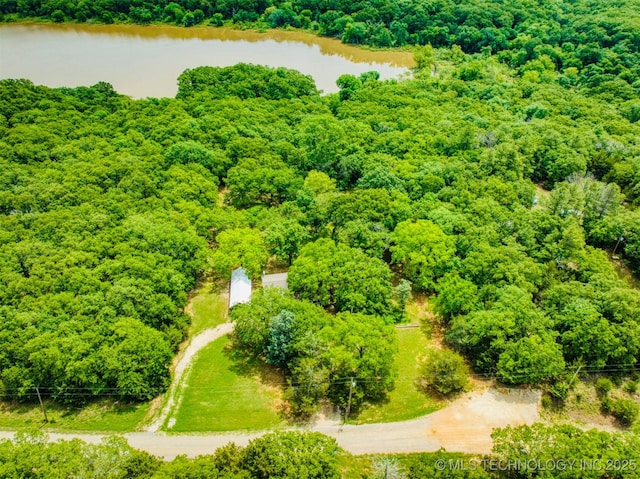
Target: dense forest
[[502, 180], [112, 208]]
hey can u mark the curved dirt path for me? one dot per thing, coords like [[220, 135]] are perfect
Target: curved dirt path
[[181, 372], [463, 426]]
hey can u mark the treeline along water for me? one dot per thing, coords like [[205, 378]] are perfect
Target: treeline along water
[[144, 61]]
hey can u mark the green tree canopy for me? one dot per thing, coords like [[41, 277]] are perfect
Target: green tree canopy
[[443, 371], [245, 81], [239, 247], [340, 277], [360, 348], [309, 455], [423, 250]]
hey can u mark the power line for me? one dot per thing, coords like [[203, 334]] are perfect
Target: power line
[[96, 392]]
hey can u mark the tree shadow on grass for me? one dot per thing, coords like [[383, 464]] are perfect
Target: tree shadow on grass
[[101, 405], [14, 407], [368, 407], [19, 414], [250, 366]]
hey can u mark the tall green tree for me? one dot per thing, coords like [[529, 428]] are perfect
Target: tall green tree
[[530, 360], [359, 358], [241, 247], [443, 371], [284, 239], [336, 276], [423, 250]]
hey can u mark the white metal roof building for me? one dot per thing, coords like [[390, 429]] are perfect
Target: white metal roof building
[[240, 287]]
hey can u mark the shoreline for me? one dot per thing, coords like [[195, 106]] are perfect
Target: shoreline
[[396, 57]]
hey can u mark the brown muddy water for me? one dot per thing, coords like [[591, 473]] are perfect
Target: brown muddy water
[[145, 61]]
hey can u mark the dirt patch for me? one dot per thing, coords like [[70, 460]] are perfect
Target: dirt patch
[[585, 421], [420, 313], [582, 409], [421, 309], [463, 426], [479, 384], [155, 408], [188, 309], [467, 423], [273, 382], [625, 273]]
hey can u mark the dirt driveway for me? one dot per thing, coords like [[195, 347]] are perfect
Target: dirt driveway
[[466, 425], [181, 371]]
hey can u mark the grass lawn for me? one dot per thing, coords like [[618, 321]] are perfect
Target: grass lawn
[[543, 196], [626, 274], [103, 415], [228, 393], [405, 401], [354, 467], [208, 307]]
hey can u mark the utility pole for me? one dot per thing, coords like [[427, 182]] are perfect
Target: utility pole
[[575, 375], [44, 411], [352, 384], [617, 244]]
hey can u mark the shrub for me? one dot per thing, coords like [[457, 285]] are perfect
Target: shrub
[[560, 390], [624, 410], [217, 20], [443, 372], [631, 387], [603, 386], [291, 454]]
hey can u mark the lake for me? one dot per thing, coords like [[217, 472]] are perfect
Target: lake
[[145, 61]]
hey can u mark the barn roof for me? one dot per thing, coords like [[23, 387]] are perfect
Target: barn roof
[[277, 280], [240, 287]]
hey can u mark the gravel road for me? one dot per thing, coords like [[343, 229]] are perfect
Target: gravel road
[[463, 426]]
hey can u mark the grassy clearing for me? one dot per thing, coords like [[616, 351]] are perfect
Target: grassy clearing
[[226, 392], [626, 274], [419, 312], [405, 401], [99, 416], [354, 467], [583, 406], [543, 197], [208, 307]]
